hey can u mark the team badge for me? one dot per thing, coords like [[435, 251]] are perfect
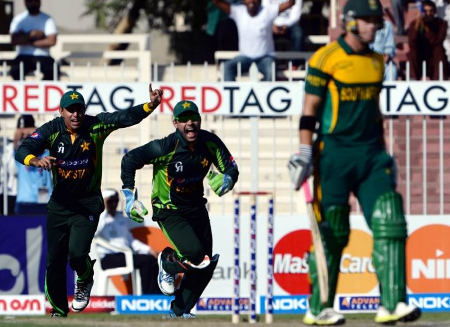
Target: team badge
[[179, 166], [85, 146]]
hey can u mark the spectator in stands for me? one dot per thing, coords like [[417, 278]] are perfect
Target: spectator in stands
[[426, 36], [33, 32], [384, 44], [398, 9], [8, 186], [34, 185], [254, 24], [287, 24], [113, 227], [221, 28]]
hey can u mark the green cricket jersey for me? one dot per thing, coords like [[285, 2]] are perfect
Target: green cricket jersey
[[78, 170], [179, 169], [350, 84]]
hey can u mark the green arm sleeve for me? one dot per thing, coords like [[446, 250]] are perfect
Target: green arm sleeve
[[137, 158], [222, 158], [124, 118]]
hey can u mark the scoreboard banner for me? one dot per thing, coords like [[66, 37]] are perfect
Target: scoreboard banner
[[229, 99]]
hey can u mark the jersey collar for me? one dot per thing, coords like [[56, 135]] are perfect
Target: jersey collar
[[349, 50]]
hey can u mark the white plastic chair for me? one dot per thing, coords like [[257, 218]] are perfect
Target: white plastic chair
[[102, 275]]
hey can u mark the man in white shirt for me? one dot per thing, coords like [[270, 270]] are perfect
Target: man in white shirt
[[114, 228], [287, 24], [254, 24], [33, 32]]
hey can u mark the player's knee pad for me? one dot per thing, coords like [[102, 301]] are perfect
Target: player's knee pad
[[388, 219], [335, 228], [389, 235]]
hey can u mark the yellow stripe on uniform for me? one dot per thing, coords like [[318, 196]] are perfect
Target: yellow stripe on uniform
[[334, 93]]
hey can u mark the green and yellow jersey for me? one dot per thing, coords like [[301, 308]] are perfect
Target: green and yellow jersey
[[350, 84], [179, 168], [77, 173]]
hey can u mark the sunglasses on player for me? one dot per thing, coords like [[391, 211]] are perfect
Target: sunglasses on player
[[186, 118]]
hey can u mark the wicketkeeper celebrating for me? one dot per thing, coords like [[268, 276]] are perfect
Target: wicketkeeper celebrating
[[342, 90], [180, 163], [75, 141]]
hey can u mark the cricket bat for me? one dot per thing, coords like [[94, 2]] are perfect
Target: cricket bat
[[321, 260]]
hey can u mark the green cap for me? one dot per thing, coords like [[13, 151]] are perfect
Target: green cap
[[363, 8], [71, 97], [184, 106]]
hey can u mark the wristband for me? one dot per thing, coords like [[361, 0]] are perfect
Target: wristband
[[147, 108], [27, 159], [308, 122]]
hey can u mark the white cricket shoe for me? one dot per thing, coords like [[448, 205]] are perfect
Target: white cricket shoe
[[166, 281], [82, 295], [402, 312], [326, 317]]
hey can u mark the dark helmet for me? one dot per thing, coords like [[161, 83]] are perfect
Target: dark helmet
[[363, 8]]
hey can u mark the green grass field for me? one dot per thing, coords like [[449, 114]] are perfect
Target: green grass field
[[107, 320]]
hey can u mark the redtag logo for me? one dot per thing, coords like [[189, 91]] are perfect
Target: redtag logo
[[428, 260], [290, 262]]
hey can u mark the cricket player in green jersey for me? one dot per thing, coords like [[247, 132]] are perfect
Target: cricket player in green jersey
[[75, 141], [180, 163], [341, 105]]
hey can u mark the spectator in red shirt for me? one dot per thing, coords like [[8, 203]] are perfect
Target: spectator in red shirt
[[426, 37]]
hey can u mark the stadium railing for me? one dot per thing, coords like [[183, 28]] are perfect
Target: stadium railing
[[93, 48], [290, 56]]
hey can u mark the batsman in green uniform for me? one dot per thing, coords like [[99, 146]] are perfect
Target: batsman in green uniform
[[341, 105], [180, 163], [75, 141]]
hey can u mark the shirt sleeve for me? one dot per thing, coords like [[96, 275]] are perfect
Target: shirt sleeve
[[294, 13], [125, 118], [50, 27], [235, 11], [138, 157], [222, 158], [318, 73], [33, 145], [273, 11], [14, 26]]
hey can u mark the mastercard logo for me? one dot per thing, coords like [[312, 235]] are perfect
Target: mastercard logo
[[356, 267], [290, 265], [428, 260]]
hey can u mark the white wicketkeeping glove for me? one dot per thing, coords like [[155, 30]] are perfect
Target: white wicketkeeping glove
[[134, 208], [300, 166]]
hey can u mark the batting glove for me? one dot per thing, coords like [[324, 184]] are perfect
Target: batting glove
[[134, 208], [300, 166], [220, 183]]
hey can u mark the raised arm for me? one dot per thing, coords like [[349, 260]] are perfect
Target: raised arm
[[286, 5], [223, 5], [134, 115]]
